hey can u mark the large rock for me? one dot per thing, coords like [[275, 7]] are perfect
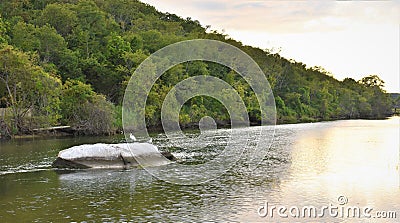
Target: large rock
[[124, 155]]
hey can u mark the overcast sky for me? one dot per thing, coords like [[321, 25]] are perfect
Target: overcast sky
[[347, 38]]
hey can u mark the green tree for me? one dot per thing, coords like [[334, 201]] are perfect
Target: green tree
[[102, 42], [59, 16], [94, 26], [51, 47], [3, 32], [86, 111], [378, 99], [29, 89], [372, 81], [117, 48]]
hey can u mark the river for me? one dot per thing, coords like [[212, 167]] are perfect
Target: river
[[347, 163]]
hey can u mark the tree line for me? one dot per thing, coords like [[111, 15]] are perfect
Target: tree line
[[67, 62]]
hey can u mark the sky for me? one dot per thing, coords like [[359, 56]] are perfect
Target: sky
[[348, 38]]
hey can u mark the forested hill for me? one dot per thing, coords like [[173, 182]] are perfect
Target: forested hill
[[67, 62]]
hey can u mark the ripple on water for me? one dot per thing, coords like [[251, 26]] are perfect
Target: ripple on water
[[287, 175]]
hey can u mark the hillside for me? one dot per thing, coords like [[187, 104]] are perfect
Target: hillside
[[68, 61]]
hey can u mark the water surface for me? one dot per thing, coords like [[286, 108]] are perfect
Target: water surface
[[308, 164]]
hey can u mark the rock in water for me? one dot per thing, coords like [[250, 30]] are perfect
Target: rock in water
[[120, 156]]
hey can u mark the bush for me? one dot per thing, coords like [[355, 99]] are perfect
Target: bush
[[88, 113]]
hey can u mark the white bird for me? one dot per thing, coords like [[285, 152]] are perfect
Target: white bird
[[132, 137], [150, 141]]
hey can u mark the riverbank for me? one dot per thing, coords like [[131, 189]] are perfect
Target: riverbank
[[67, 131]]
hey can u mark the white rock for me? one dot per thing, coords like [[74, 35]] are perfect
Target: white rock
[[123, 155]]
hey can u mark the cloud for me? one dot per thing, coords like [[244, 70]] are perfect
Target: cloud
[[210, 5], [283, 16]]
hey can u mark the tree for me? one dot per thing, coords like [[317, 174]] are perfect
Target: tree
[[102, 42], [3, 32], [29, 88], [117, 47], [86, 111], [51, 47], [94, 26], [372, 81], [376, 96], [61, 17]]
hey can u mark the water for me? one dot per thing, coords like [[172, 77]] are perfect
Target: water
[[308, 164]]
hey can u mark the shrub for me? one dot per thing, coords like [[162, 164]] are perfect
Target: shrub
[[88, 113]]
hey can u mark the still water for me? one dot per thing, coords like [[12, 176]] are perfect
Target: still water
[[340, 163]]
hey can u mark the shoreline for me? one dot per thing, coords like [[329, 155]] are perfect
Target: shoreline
[[54, 133]]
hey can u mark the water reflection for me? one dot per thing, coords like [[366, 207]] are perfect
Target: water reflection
[[355, 158]]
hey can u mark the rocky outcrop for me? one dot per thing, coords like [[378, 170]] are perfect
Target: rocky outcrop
[[112, 156]]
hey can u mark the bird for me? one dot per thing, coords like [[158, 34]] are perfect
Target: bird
[[150, 141], [132, 137]]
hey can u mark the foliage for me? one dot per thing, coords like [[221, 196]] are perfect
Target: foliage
[[28, 90], [3, 32], [85, 110], [94, 46]]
